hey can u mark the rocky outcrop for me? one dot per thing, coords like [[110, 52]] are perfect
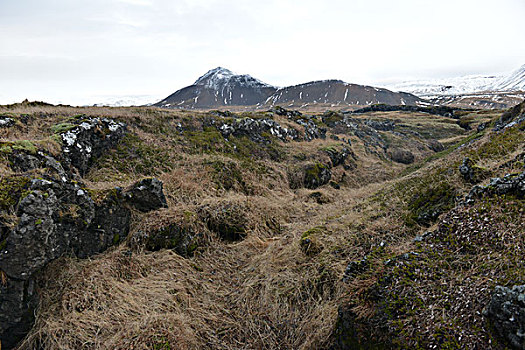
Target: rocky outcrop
[[513, 184], [55, 215], [89, 139], [514, 116], [57, 218], [339, 157], [285, 112], [23, 162], [254, 129], [402, 156], [146, 195], [385, 125], [316, 175], [471, 172], [506, 313], [437, 110], [6, 122], [311, 130]]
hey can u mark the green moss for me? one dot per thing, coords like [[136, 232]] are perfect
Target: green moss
[[21, 145], [116, 239], [38, 222], [11, 189], [132, 156], [312, 175], [62, 128], [228, 176], [310, 242], [499, 145], [427, 203], [6, 149]]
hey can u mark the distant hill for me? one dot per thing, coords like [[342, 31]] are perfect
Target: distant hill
[[337, 93], [221, 87]]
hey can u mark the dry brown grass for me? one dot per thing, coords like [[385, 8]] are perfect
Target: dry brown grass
[[263, 292]]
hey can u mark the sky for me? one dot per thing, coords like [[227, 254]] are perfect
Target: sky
[[85, 51]]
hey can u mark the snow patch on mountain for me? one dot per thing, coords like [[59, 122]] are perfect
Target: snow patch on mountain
[[219, 78], [450, 86], [513, 82]]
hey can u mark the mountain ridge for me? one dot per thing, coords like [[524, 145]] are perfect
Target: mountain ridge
[[221, 87]]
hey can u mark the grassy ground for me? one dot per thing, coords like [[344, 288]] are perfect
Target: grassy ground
[[281, 286]]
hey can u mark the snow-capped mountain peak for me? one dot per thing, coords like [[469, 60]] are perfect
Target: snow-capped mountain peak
[[220, 77]]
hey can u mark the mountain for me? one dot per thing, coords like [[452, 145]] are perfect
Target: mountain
[[450, 86], [513, 82], [221, 87], [337, 93], [468, 84]]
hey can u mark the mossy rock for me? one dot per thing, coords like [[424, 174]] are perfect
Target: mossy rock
[[316, 175], [402, 156], [332, 118], [179, 237], [309, 243], [428, 203], [11, 190]]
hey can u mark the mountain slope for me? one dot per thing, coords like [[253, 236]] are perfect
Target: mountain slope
[[337, 93], [514, 82]]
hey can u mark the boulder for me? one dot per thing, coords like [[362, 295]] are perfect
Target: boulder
[[182, 239], [506, 313], [471, 172], [316, 175], [512, 184], [436, 146], [385, 125], [402, 156], [146, 195], [88, 140]]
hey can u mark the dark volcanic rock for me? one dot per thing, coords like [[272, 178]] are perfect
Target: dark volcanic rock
[[386, 125], [255, 128], [23, 161], [285, 112], [506, 312], [146, 195], [316, 175], [513, 184], [514, 116], [436, 146], [89, 140], [401, 156], [182, 239], [57, 218]]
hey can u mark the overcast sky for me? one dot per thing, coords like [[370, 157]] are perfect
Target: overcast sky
[[73, 51]]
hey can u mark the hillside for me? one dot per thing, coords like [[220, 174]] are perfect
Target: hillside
[[221, 88], [149, 228]]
